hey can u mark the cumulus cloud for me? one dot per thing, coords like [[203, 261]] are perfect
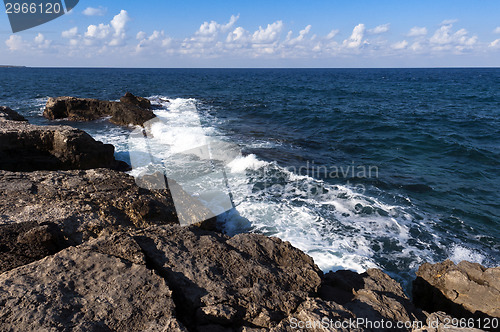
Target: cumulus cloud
[[155, 40], [41, 42], [356, 38], [238, 35], [332, 34], [497, 30], [268, 35], [379, 29], [71, 33], [495, 43], [400, 45], [444, 39], [112, 33], [90, 11], [15, 43], [417, 32]]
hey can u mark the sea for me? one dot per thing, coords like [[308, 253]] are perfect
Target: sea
[[359, 168]]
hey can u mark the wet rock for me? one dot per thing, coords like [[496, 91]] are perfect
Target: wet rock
[[462, 290], [26, 147], [130, 110], [8, 114]]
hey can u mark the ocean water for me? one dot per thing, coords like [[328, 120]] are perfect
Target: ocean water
[[359, 168]]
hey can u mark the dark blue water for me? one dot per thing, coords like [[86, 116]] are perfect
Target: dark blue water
[[433, 135]]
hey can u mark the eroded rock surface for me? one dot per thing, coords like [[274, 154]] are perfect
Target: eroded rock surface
[[130, 110], [87, 288], [82, 203], [462, 290], [26, 147]]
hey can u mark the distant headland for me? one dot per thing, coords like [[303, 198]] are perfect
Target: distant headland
[[9, 66]]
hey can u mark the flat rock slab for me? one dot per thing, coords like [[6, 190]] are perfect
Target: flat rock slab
[[87, 288], [82, 203]]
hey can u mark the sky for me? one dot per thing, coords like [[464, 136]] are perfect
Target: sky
[[272, 33]]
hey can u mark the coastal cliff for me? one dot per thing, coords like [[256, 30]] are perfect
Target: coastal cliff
[[85, 249]]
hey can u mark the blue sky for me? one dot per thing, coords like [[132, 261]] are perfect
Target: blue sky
[[262, 34]]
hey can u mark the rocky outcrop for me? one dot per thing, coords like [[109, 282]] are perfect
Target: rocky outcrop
[[173, 278], [82, 203], [26, 147], [103, 285], [248, 280], [462, 290], [130, 110], [8, 114]]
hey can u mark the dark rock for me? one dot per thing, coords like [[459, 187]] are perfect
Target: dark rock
[[82, 203], [372, 295], [26, 147], [130, 110], [26, 242], [124, 114], [129, 98], [321, 316], [85, 289], [8, 114], [248, 280], [463, 290]]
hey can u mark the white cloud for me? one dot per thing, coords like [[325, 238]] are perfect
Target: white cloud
[[497, 30], [115, 30], [268, 35], [299, 38], [90, 11], [15, 43], [444, 38], [332, 34], [41, 42], [417, 31], [155, 40], [379, 29], [448, 22], [140, 35], [71, 33], [400, 45], [100, 31], [238, 35], [356, 38], [495, 43]]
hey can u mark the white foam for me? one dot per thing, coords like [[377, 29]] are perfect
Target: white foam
[[328, 224], [460, 253]]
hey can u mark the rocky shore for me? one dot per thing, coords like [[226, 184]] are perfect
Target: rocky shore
[[83, 248]]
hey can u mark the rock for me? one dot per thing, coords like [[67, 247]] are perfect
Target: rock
[[8, 114], [26, 242], [220, 282], [372, 296], [26, 147], [130, 110], [463, 290], [317, 315], [82, 203], [86, 289], [129, 98]]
